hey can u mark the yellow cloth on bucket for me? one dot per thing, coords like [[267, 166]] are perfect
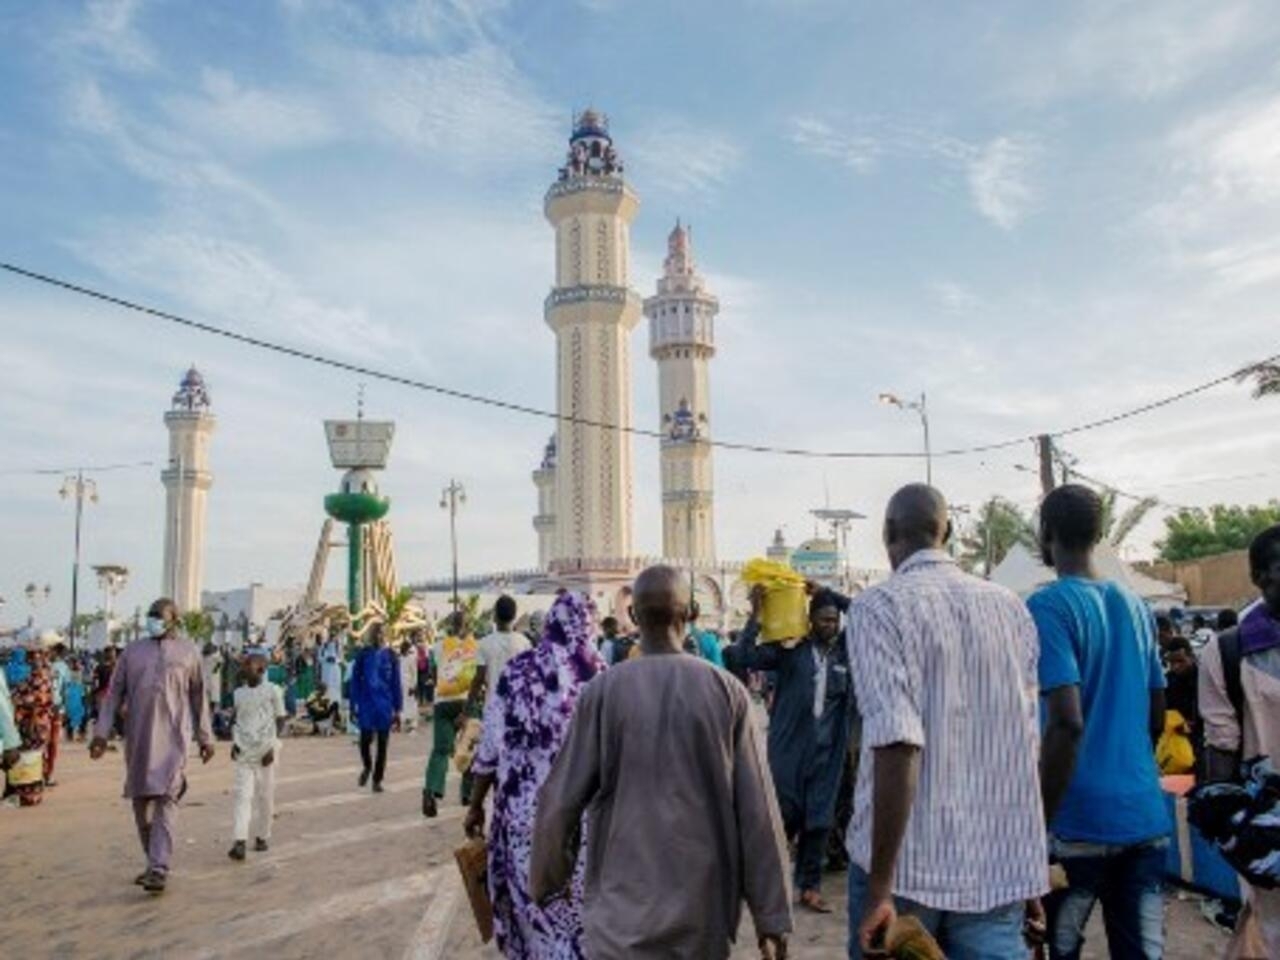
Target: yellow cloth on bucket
[[784, 614], [1174, 753]]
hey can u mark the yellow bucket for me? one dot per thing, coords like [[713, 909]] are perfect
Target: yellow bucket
[[28, 770]]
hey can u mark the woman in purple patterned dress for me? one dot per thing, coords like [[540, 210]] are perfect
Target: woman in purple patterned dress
[[524, 727]]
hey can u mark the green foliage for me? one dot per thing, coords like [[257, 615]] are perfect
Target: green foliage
[[1000, 526], [1117, 526], [477, 623], [1265, 377], [198, 625], [1190, 534]]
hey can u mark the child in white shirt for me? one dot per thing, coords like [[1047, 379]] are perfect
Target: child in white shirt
[[259, 721]]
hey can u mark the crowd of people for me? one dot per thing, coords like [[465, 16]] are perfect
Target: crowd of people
[[943, 738]]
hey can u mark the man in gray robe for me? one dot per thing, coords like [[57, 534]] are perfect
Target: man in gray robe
[[159, 683], [682, 825]]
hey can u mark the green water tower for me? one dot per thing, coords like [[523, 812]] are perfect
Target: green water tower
[[360, 447]]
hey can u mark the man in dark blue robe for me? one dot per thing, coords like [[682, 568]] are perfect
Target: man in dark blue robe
[[809, 722]]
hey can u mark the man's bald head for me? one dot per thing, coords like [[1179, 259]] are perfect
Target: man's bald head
[[660, 607], [916, 519]]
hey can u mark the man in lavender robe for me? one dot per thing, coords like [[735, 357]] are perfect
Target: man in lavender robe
[[159, 683]]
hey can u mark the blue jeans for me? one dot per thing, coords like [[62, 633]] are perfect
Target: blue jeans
[[1128, 880], [994, 935]]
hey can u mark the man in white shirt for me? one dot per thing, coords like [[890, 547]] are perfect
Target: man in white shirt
[[495, 650], [259, 720], [948, 823]]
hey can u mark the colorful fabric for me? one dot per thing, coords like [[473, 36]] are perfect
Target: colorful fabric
[[17, 669], [376, 696], [34, 714], [10, 738], [524, 727], [1258, 631], [455, 660]]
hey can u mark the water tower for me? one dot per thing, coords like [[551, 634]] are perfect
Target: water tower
[[360, 447]]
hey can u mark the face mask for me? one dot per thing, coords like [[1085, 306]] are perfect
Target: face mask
[[156, 627]]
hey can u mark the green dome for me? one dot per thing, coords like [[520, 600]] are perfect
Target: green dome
[[356, 507]]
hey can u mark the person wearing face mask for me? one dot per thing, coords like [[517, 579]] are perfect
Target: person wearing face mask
[[159, 682]]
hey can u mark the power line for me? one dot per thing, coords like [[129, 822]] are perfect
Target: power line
[[470, 397], [53, 471]]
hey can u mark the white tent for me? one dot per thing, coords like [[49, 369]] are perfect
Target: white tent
[[1022, 572]]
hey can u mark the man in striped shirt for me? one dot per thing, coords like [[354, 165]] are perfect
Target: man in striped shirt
[[947, 823]]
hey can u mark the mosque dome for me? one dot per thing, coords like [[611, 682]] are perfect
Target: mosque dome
[[193, 392]]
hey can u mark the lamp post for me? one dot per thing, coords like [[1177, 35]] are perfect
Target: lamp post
[[921, 407], [111, 580], [451, 498], [79, 487], [35, 596]]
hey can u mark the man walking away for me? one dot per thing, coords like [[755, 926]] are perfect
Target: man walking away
[[809, 725], [947, 823], [1103, 690], [1239, 691], [454, 660], [159, 683], [259, 720], [682, 825], [409, 686], [376, 702], [493, 655]]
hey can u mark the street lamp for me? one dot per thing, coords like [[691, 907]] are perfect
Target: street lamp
[[35, 597], [79, 487], [921, 407], [451, 498], [111, 580]]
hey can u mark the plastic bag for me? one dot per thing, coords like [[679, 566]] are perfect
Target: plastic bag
[[1174, 753], [784, 614]]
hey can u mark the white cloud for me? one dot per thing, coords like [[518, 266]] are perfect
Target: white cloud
[[680, 157], [474, 109], [998, 172], [1225, 193], [856, 151], [246, 118], [109, 32], [955, 297], [998, 180], [1140, 48]]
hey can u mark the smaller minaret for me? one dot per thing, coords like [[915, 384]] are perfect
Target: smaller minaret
[[778, 551], [544, 478], [187, 480], [682, 340]]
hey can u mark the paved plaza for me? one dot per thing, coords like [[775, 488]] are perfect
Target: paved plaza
[[349, 875]]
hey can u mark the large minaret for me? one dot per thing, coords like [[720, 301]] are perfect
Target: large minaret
[[592, 312], [682, 338], [187, 481]]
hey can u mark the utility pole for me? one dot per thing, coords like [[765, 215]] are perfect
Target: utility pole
[[1044, 444], [78, 487], [452, 497]]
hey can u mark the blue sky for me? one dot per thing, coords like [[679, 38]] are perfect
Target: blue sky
[[1038, 213]]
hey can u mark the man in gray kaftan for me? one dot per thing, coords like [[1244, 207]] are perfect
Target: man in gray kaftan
[[158, 683]]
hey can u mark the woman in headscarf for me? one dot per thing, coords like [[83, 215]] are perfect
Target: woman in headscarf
[[525, 724], [33, 712]]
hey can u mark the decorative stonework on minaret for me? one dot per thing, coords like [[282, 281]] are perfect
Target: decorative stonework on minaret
[[187, 480], [592, 311], [682, 340], [544, 478]]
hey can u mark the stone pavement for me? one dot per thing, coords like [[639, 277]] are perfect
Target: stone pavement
[[349, 875]]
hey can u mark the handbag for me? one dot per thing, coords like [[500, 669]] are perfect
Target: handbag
[[473, 864]]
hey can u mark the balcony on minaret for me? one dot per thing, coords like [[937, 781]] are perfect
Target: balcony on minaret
[[682, 313]]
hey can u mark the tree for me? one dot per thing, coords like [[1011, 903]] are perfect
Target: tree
[[1190, 534], [198, 625], [1000, 526], [1265, 377], [1116, 526]]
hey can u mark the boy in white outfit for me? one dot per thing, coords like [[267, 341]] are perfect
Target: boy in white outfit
[[259, 721]]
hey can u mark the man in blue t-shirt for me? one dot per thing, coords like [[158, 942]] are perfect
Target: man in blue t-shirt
[[1102, 691]]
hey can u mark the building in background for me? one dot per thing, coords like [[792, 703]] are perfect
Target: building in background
[[592, 312], [682, 339], [187, 480], [544, 522]]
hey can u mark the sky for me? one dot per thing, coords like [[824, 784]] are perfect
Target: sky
[[1037, 214]]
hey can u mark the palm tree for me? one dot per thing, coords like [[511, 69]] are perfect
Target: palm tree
[[1001, 525], [1265, 377], [1116, 527]]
